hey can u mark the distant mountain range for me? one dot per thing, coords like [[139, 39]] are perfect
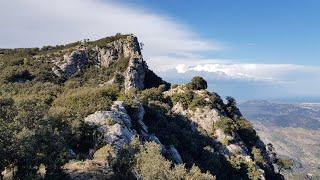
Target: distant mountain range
[[293, 129], [305, 115]]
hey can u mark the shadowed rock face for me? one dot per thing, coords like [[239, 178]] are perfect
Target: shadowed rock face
[[135, 74], [76, 61]]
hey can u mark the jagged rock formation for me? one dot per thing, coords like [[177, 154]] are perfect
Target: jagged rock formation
[[112, 52], [105, 56]]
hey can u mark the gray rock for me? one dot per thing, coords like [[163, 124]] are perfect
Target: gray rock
[[128, 48], [119, 132], [74, 62], [135, 74]]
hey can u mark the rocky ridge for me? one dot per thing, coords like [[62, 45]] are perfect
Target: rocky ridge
[[115, 126], [104, 91], [205, 116], [105, 56]]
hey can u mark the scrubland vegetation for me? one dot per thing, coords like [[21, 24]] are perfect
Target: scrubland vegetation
[[42, 122]]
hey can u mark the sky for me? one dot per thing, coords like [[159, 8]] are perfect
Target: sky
[[247, 49]]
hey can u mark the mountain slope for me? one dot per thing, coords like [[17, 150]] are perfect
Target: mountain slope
[[93, 110], [293, 129]]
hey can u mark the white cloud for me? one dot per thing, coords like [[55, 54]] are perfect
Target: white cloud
[[165, 63], [256, 72], [182, 68], [28, 23], [173, 49], [229, 69]]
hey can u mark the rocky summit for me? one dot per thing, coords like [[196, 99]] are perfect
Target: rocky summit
[[93, 110]]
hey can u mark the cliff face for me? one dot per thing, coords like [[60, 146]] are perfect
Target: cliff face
[[104, 56], [109, 106]]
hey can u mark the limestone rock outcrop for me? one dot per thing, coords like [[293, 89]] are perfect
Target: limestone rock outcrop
[[135, 74], [115, 126], [104, 56], [72, 63]]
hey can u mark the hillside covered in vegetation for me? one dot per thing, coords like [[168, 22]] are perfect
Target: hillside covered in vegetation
[[93, 110]]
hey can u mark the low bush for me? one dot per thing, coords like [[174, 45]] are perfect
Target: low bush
[[197, 83], [105, 153], [152, 94], [198, 102], [184, 98], [247, 133], [245, 168], [227, 125], [150, 164], [80, 102], [257, 156]]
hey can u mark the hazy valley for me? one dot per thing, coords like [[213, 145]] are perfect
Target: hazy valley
[[293, 129]]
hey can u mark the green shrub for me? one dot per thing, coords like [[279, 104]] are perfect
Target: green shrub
[[199, 102], [257, 156], [119, 79], [72, 84], [130, 98], [152, 94], [197, 83], [227, 125], [173, 86], [225, 141], [245, 168], [105, 153], [6, 144], [246, 132], [150, 164], [184, 98], [7, 109], [252, 171], [105, 41], [232, 109], [80, 102], [98, 75], [284, 164]]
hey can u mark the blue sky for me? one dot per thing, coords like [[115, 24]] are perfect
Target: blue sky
[[272, 31], [248, 49]]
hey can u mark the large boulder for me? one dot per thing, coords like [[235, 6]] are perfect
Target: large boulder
[[114, 126]]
